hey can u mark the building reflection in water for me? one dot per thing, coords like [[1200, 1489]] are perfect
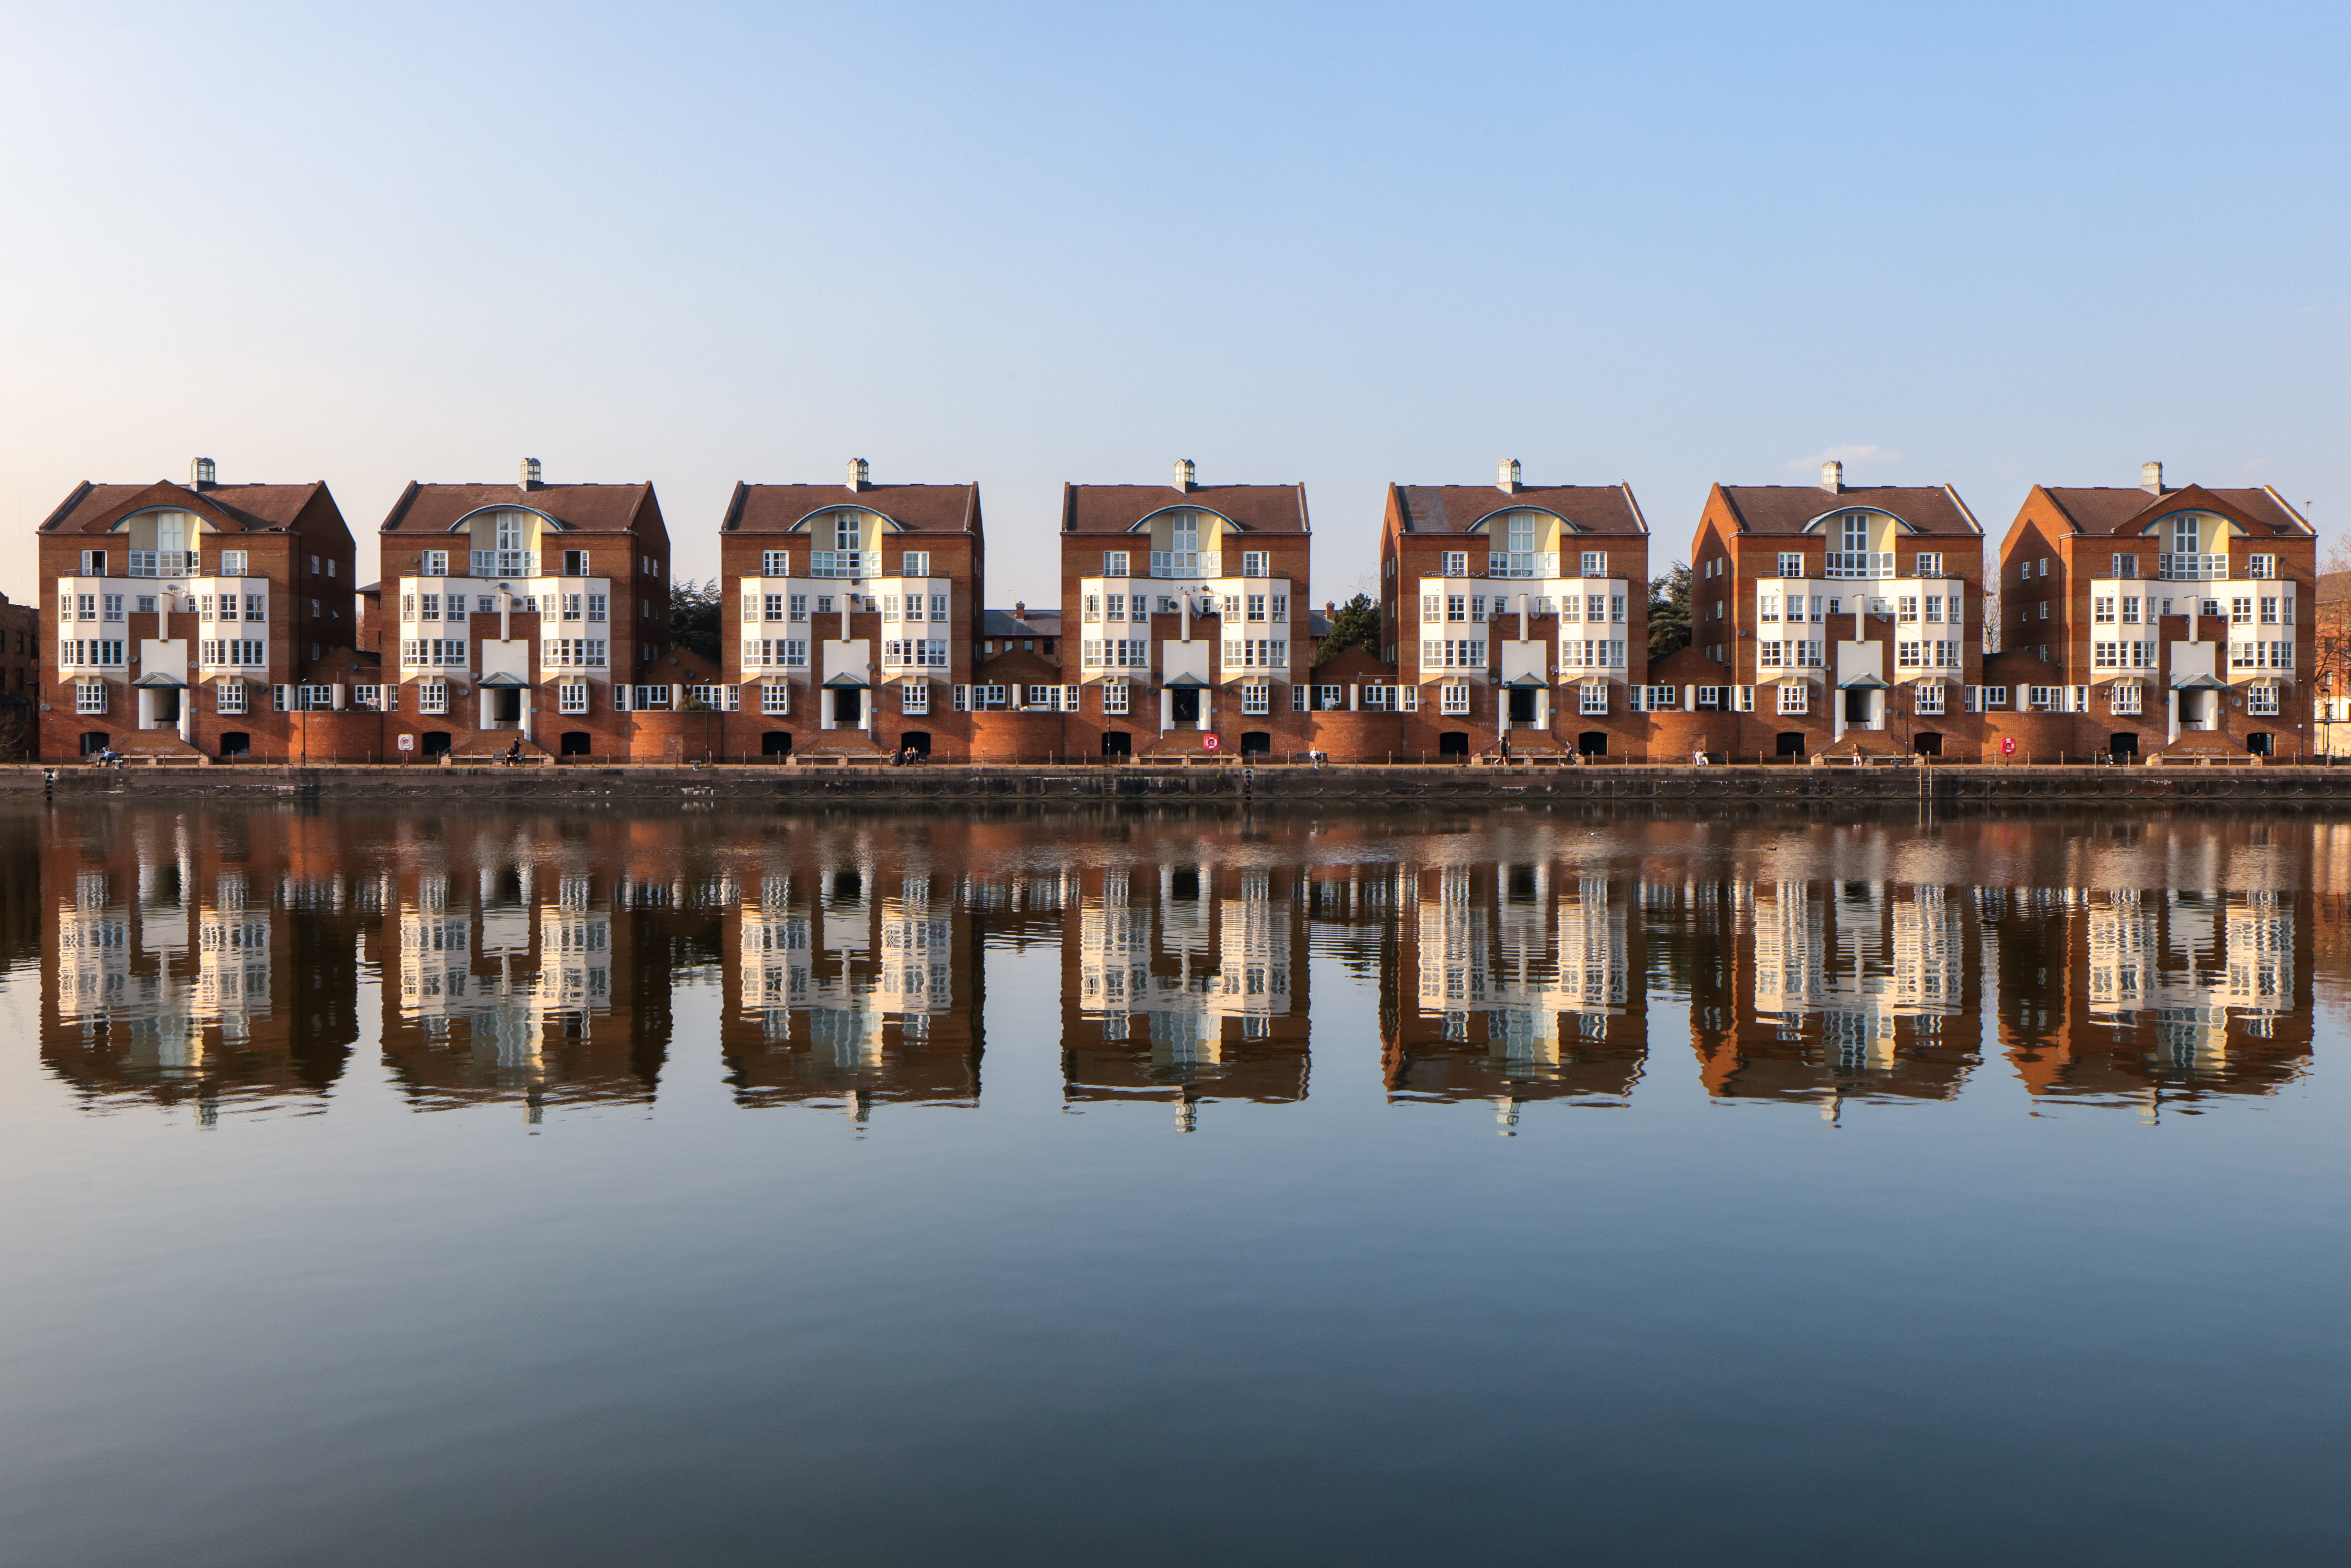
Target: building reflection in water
[[187, 956]]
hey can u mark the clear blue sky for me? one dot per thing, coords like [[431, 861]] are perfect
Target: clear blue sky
[[1987, 245]]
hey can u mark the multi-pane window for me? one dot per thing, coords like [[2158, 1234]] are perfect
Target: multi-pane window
[[1927, 698], [1591, 698], [1457, 563], [575, 563], [2102, 610], [1116, 696], [1792, 563], [1929, 563], [233, 563], [432, 696], [2262, 566], [433, 652], [1116, 653], [1256, 653], [915, 698], [2130, 609], [89, 696], [1257, 606], [1905, 607], [2124, 698], [1114, 563], [1708, 697], [2126, 566], [2260, 656], [915, 653], [1257, 697], [596, 607], [228, 697], [436, 563], [573, 653], [1591, 654], [775, 653], [2269, 610], [1452, 653], [2241, 610], [2261, 700], [776, 697], [775, 563], [572, 698], [1453, 700], [1796, 696], [1255, 562], [1593, 563]]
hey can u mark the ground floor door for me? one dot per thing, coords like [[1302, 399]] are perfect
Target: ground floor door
[[1592, 743], [918, 741], [1522, 704], [574, 743], [1453, 743], [1117, 742], [1183, 704], [1927, 743], [436, 743], [1256, 742], [94, 741], [1792, 743], [505, 705], [775, 743], [2261, 743], [235, 743], [847, 705], [1856, 705], [2122, 743]]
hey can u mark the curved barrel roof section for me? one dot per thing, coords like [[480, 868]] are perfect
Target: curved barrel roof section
[[1924, 509], [1597, 509], [239, 508], [574, 508], [2114, 509]]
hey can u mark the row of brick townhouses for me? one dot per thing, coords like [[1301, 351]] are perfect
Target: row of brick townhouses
[[533, 619]]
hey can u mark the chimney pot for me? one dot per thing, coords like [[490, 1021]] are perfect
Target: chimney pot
[[530, 480], [1021, 609], [1186, 474], [2150, 479], [1506, 476], [1832, 477], [200, 473], [860, 475]]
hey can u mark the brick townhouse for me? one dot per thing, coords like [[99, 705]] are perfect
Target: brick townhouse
[[20, 678], [198, 618], [1837, 619], [531, 615], [849, 616], [1516, 613], [2156, 619], [1185, 605]]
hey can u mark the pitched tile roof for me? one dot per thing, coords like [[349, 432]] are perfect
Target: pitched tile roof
[[247, 509], [1687, 666], [1115, 509], [917, 509], [589, 508], [1004, 623], [2119, 509], [1454, 509], [1793, 508]]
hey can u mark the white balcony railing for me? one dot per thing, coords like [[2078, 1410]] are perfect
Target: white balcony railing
[[1860, 563], [1523, 564], [505, 563], [2193, 568], [162, 563], [1187, 563]]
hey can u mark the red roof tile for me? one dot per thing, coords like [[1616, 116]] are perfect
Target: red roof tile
[[917, 509], [247, 509], [1455, 508], [1115, 509], [588, 509], [2118, 510], [1793, 508]]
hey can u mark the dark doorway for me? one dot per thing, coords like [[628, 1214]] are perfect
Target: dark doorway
[[775, 743], [436, 743], [2261, 743], [1592, 743], [1792, 743], [1183, 704], [94, 741], [505, 705], [1522, 704], [1856, 705], [1256, 743], [235, 743], [918, 741], [1117, 742], [2122, 743], [167, 706], [1927, 743], [1183, 882], [1453, 743], [847, 886], [848, 702], [574, 743]]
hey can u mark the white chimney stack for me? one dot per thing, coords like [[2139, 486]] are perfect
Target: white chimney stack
[[1506, 476], [1832, 477], [2150, 479], [530, 474], [200, 473], [1186, 474], [860, 475]]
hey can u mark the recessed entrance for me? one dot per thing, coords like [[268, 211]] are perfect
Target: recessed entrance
[[918, 741], [1117, 742], [775, 743], [505, 705], [1856, 705], [235, 743], [574, 743], [1256, 742], [2261, 743], [1453, 743], [94, 741], [1927, 743], [1522, 704], [1792, 743], [1183, 704], [847, 705], [2122, 743], [1592, 743], [166, 711], [436, 743]]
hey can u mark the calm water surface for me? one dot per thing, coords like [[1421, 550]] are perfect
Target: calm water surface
[[517, 1188]]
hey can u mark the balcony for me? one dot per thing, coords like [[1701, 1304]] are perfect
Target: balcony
[[2193, 568], [505, 563], [1168, 563], [1533, 564], [837, 563], [1851, 564], [162, 563]]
